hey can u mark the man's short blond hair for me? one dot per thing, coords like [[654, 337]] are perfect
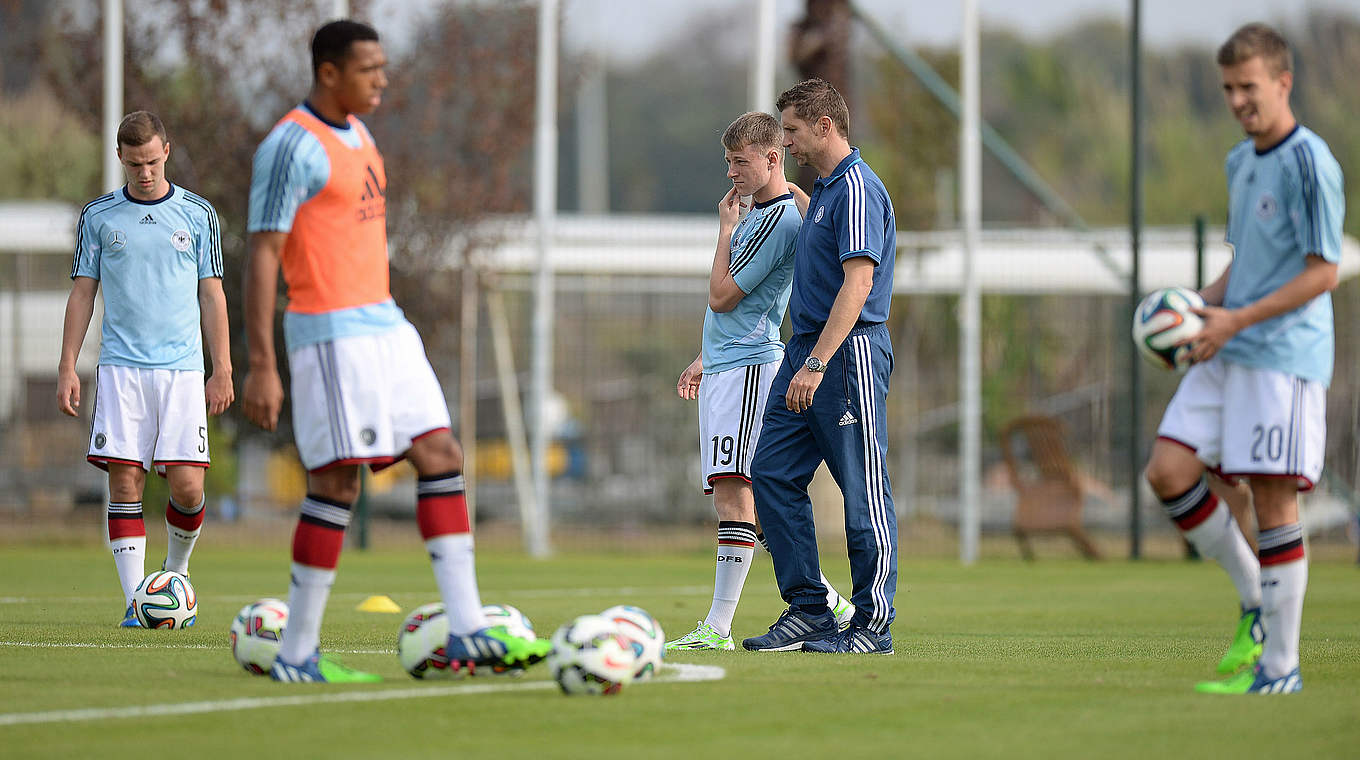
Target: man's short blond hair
[[752, 128], [811, 99], [138, 127], [1255, 40]]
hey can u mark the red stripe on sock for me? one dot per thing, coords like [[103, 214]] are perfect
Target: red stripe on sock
[[1192, 519], [442, 514], [1292, 554], [729, 542], [126, 527], [183, 521], [317, 545]]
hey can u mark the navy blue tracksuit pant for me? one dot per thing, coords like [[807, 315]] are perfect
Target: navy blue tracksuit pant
[[846, 428]]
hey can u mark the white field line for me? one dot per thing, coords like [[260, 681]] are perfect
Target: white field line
[[669, 674], [539, 593], [154, 645]]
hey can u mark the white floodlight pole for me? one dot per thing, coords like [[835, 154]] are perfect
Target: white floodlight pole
[[970, 401], [113, 91], [535, 516], [339, 9], [762, 60]]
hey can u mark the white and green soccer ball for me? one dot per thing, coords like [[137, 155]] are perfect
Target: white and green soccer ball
[[256, 632], [591, 655], [165, 599], [422, 640], [644, 633], [1162, 321], [514, 621]]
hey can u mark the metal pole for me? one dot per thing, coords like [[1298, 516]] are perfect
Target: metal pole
[[970, 397], [113, 91], [339, 9], [545, 206], [1200, 223], [1135, 287], [762, 58], [467, 382]]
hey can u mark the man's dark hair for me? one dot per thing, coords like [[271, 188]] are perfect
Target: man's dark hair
[[332, 42], [138, 127], [814, 98]]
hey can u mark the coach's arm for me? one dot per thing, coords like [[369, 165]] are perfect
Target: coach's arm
[[262, 390]]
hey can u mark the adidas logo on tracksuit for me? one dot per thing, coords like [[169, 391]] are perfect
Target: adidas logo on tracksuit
[[847, 419]]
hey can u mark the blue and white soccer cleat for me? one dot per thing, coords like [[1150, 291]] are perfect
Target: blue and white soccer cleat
[[130, 619], [319, 669], [495, 647], [792, 630], [855, 639]]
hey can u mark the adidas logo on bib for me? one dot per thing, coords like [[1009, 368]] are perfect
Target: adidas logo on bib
[[848, 419]]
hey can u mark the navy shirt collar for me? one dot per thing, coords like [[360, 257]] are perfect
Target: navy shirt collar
[[841, 168], [772, 201], [161, 199], [323, 119]]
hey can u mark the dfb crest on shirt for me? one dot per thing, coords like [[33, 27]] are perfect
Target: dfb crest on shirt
[[818, 218], [181, 240], [1266, 207]]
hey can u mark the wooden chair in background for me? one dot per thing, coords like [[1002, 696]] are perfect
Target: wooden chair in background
[[1050, 491]]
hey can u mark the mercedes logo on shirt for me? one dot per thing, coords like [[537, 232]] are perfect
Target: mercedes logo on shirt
[[116, 240]]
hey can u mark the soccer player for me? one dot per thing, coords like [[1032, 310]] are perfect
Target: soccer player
[[842, 289], [1253, 405], [748, 290], [156, 250], [364, 391]]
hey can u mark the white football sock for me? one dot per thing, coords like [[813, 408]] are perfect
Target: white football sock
[[736, 546], [455, 572], [1282, 588], [308, 590], [129, 557], [1219, 539], [180, 543]]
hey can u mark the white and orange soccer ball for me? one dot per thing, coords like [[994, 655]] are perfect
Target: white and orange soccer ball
[[422, 640], [256, 633], [165, 599], [644, 633], [1162, 321], [591, 655]]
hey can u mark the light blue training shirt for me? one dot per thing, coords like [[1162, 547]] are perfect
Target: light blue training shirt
[[1284, 203], [762, 266], [290, 168], [148, 257]]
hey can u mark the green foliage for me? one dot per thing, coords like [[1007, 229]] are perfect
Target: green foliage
[[48, 154]]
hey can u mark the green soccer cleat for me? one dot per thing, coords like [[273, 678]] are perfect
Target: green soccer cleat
[[497, 648], [844, 611], [702, 637], [319, 668], [1253, 681], [1246, 645]]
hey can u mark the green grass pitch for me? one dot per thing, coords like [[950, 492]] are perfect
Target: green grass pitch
[[1058, 658]]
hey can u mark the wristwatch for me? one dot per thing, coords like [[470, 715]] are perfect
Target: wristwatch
[[813, 364]]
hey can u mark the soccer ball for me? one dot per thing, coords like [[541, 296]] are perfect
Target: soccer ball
[[590, 655], [514, 621], [642, 630], [165, 599], [1164, 319], [256, 632], [420, 643]]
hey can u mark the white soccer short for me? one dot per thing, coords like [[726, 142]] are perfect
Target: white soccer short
[[731, 408], [1248, 421], [149, 418], [364, 399]]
